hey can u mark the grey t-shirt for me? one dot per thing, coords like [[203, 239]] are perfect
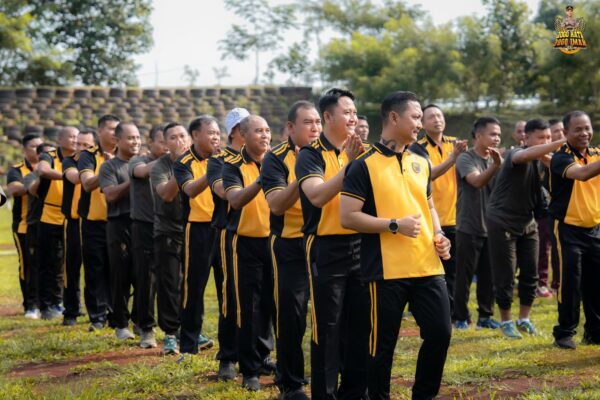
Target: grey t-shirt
[[140, 194], [471, 202], [168, 217], [114, 172], [515, 194]]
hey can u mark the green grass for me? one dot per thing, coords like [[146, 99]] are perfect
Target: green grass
[[481, 364]]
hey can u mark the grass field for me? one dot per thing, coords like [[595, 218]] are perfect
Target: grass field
[[41, 359]]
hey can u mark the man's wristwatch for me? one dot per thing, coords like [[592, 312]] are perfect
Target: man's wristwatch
[[393, 226], [440, 232]]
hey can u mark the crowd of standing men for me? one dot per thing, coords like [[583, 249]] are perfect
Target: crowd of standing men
[[358, 230]]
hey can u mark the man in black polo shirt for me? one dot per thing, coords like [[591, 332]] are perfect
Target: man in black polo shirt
[[222, 262], [142, 221], [512, 230], [279, 183], [387, 196], [86, 139], [338, 297], [51, 223], [114, 183], [16, 189], [575, 206], [168, 234]]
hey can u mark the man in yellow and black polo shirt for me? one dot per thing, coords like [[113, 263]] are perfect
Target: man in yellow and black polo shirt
[[93, 213], [339, 299], [442, 151], [221, 259], [72, 234], [198, 207], [16, 189], [248, 220], [387, 197], [575, 207], [278, 177], [50, 233]]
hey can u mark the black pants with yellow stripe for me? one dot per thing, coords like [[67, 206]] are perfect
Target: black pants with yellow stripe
[[72, 268], [223, 270], [429, 304], [95, 266], [145, 271], [51, 247], [340, 317], [291, 300], [33, 263], [579, 274], [254, 296], [198, 243], [122, 276], [23, 253]]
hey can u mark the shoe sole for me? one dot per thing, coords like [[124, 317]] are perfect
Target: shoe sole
[[206, 346], [149, 346], [170, 352]]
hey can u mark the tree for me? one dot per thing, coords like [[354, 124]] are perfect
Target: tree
[[263, 31], [295, 63], [221, 73], [190, 75]]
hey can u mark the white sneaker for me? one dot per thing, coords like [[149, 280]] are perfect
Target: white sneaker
[[124, 334], [33, 314], [148, 339]]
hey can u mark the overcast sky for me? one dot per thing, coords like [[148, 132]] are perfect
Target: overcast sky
[[186, 32]]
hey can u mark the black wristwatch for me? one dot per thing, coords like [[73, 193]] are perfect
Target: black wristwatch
[[393, 226]]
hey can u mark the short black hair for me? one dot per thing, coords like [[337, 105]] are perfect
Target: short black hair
[[397, 102], [28, 138], [431, 105], [482, 122], [573, 114], [89, 131], [106, 118], [536, 124], [569, 7], [170, 125], [121, 127], [362, 118], [553, 121], [293, 112], [331, 97], [155, 129], [40, 148], [197, 122]]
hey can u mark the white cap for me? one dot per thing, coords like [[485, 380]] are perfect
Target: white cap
[[234, 117]]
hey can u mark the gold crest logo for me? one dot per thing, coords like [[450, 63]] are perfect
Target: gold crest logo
[[569, 33], [416, 167]]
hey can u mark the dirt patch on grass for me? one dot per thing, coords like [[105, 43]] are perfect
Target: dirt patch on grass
[[64, 369], [410, 332], [11, 310]]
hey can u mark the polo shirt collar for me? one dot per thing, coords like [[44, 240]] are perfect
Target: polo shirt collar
[[197, 156], [247, 158], [387, 151], [326, 143]]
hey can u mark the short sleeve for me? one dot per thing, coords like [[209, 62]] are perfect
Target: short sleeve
[[273, 174], [158, 174], [14, 175], [134, 162], [30, 179], [309, 164], [87, 162], [465, 165], [68, 163], [214, 171], [356, 181], [232, 177], [107, 175], [419, 149], [183, 173], [48, 158], [561, 162]]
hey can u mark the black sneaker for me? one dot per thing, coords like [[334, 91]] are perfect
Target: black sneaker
[[226, 371], [251, 383], [67, 321], [269, 367], [565, 343], [589, 340], [295, 394]]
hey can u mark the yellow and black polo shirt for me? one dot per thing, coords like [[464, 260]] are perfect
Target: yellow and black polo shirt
[[16, 173], [214, 174], [253, 219], [444, 188], [189, 167], [394, 185], [50, 191], [277, 172], [92, 205], [321, 159], [71, 192], [574, 202]]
